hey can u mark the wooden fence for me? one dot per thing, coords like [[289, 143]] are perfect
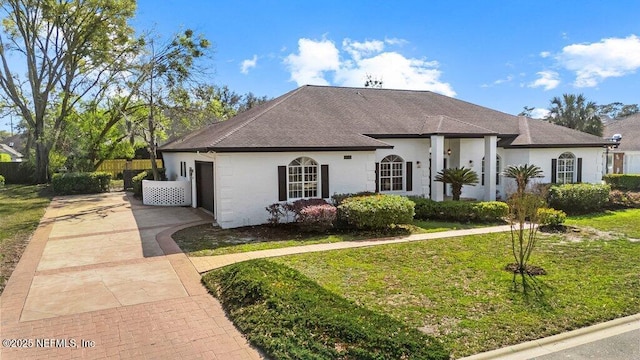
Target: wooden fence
[[117, 166]]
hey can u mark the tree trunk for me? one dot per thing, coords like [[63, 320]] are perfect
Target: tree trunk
[[456, 192]]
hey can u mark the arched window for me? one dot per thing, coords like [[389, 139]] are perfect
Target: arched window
[[566, 168], [303, 178], [391, 173], [497, 170]]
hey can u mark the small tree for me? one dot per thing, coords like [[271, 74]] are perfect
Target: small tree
[[523, 215], [457, 177]]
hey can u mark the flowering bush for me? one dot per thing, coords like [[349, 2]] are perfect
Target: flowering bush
[[317, 217]]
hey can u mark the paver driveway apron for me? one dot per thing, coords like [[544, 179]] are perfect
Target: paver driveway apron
[[103, 280]]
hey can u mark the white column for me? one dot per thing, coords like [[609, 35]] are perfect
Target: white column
[[490, 153], [437, 164]]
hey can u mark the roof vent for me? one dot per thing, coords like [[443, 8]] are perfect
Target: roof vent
[[616, 137], [11, 144]]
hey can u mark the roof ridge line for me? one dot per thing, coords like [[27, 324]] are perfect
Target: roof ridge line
[[252, 119], [522, 120], [442, 118]]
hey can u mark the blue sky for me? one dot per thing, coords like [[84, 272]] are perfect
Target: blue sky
[[499, 54]]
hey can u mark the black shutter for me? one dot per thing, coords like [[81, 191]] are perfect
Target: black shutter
[[409, 176], [554, 167], [377, 177], [579, 175], [324, 176], [282, 183]]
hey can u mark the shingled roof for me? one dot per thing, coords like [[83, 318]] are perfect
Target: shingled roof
[[335, 118], [629, 128]]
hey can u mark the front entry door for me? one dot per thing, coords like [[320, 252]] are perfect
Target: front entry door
[[204, 185]]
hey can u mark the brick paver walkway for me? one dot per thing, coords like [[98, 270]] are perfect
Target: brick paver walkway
[[94, 283]]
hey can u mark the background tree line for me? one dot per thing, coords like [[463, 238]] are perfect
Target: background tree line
[[576, 112], [88, 87]]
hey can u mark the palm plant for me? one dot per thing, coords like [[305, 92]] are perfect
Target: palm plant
[[457, 177], [523, 212], [575, 112], [522, 174]]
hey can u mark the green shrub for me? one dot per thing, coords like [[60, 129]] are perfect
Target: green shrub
[[1, 180], [462, 211], [551, 217], [81, 183], [623, 181], [489, 211], [579, 198], [376, 212], [136, 181], [337, 199], [288, 316]]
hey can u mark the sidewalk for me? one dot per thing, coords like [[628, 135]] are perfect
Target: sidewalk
[[97, 281], [206, 263]]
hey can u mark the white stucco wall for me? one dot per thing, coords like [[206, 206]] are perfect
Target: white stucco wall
[[631, 162], [246, 183], [416, 151]]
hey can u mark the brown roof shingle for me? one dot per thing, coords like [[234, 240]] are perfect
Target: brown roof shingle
[[629, 128], [323, 117]]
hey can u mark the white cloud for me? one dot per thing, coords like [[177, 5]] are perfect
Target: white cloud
[[248, 64], [316, 59], [545, 54], [395, 41], [593, 63], [509, 78], [548, 80], [539, 113]]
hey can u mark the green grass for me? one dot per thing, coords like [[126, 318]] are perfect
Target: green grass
[[456, 288], [624, 222], [205, 240], [20, 212], [289, 316]]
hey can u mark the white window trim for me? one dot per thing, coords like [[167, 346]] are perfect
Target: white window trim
[[398, 160], [563, 161], [303, 165]]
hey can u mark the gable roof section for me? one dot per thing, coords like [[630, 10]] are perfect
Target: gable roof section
[[9, 150], [335, 118], [629, 128]]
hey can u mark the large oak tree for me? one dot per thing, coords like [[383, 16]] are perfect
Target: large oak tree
[[53, 53]]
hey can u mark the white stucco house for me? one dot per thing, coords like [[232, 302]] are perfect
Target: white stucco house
[[316, 141], [624, 158]]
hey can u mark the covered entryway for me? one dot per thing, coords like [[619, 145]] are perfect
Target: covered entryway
[[204, 185]]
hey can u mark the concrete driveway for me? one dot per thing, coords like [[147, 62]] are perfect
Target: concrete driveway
[[101, 279]]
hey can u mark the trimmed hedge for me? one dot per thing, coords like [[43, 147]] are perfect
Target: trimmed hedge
[[579, 198], [623, 181], [377, 211], [81, 183], [288, 316], [337, 199], [462, 211]]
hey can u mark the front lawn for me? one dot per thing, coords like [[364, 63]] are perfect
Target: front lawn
[[456, 289], [205, 240], [624, 222], [20, 212]]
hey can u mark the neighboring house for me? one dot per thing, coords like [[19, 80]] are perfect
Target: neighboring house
[[15, 156], [316, 141], [625, 159]]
